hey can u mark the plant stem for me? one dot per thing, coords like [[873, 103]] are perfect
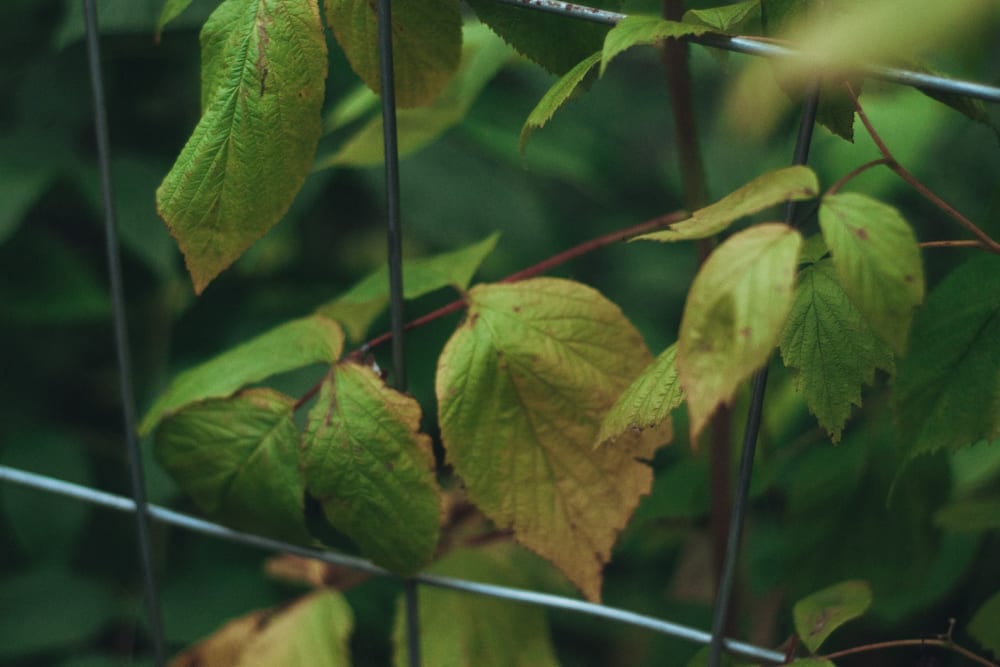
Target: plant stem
[[952, 244], [835, 188], [945, 644], [987, 242]]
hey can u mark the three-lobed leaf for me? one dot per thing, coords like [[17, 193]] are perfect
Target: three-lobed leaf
[[833, 349], [767, 190], [238, 458], [878, 261], [734, 315], [474, 630], [426, 44], [818, 615], [947, 390], [646, 403], [522, 387], [313, 631], [264, 66], [371, 469], [309, 340]]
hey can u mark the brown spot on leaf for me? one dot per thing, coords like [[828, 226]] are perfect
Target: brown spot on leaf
[[908, 278], [861, 233], [745, 332], [517, 309]]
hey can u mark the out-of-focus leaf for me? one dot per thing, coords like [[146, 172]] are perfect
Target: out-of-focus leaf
[[51, 609], [238, 459], [725, 18], [426, 44], [264, 64], [878, 261], [473, 630], [358, 307], [643, 30], [171, 10], [734, 315], [700, 659], [371, 469], [556, 96], [817, 616], [832, 348], [483, 56], [522, 387], [314, 631], [24, 178], [551, 41], [788, 184], [44, 525], [974, 515], [984, 623], [646, 403], [135, 17], [969, 107], [947, 389], [309, 340]]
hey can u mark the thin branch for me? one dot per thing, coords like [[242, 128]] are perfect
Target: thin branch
[[836, 187], [953, 244], [987, 242], [945, 644]]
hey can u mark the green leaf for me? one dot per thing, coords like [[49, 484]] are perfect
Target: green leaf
[[765, 191], [734, 314], [636, 30], [970, 515], [264, 66], [522, 387], [313, 631], [947, 390], [477, 631], [818, 615], [834, 351], [971, 108], [49, 609], [556, 96], [358, 307], [371, 469], [426, 44], [646, 403], [483, 56], [984, 624], [171, 10], [310, 340], [238, 458], [549, 40], [725, 18], [813, 250], [878, 261]]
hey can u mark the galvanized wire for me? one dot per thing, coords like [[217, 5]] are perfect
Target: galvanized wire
[[188, 522], [121, 333], [747, 45]]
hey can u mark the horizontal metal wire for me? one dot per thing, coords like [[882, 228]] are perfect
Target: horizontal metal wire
[[164, 515], [921, 80]]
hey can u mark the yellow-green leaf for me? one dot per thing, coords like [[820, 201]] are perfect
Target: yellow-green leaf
[[483, 56], [264, 62], [522, 387], [819, 614], [358, 307], [724, 18], [238, 459], [984, 623], [310, 340], [832, 348], [878, 260], [313, 631], [734, 314], [372, 470], [774, 187], [171, 10], [556, 96], [646, 403], [459, 630], [637, 30], [426, 44]]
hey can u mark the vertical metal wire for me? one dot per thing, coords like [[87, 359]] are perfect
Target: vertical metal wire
[[752, 430], [121, 333], [395, 243]]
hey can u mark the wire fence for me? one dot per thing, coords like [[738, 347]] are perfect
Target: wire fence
[[145, 512]]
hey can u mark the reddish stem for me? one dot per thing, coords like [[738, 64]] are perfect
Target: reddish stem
[[952, 244], [835, 188], [987, 242], [945, 644]]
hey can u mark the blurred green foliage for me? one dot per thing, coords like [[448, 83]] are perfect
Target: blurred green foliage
[[69, 578]]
